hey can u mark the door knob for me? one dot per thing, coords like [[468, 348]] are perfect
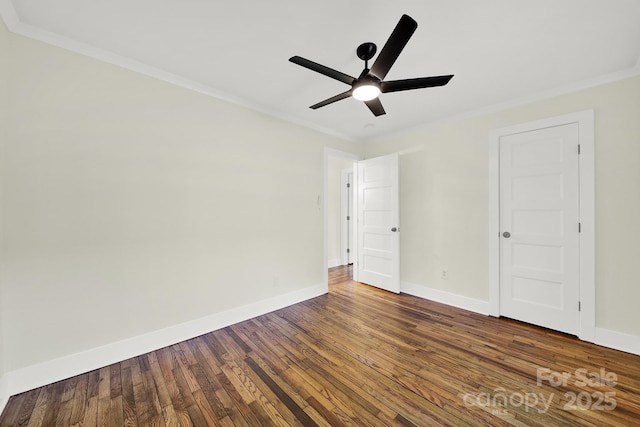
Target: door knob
[[394, 229], [506, 234]]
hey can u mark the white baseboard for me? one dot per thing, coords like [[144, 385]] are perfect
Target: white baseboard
[[4, 392], [444, 297], [334, 262], [28, 378], [48, 372], [604, 337], [618, 340]]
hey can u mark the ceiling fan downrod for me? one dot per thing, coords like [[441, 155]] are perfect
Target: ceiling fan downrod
[[365, 52]]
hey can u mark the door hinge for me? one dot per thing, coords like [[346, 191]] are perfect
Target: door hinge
[[578, 148], [348, 250], [348, 184], [579, 227], [579, 306], [348, 218]]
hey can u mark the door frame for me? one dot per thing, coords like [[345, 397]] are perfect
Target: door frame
[[586, 182], [327, 153], [346, 210]]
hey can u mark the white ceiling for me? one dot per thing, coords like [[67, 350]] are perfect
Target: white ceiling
[[501, 52]]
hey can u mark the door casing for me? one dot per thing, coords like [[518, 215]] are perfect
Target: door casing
[[585, 121], [347, 217], [323, 206]]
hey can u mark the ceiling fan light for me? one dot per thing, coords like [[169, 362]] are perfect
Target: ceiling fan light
[[366, 92]]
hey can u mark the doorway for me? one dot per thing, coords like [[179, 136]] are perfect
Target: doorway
[[335, 162], [377, 250]]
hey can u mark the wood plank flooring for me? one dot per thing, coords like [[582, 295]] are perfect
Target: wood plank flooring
[[356, 356]]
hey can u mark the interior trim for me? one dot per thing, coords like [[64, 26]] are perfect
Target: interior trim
[[585, 121], [618, 340], [30, 377], [14, 25], [4, 392], [448, 298], [604, 337], [12, 20]]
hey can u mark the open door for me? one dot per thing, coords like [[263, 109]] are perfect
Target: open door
[[378, 230]]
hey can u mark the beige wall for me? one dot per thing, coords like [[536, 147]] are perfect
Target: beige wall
[[131, 205], [444, 198]]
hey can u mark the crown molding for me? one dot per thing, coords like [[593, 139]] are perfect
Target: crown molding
[[13, 23], [16, 26], [540, 96]]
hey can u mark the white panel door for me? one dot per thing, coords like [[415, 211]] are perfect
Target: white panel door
[[539, 217], [377, 201]]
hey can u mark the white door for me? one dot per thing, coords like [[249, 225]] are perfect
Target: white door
[[377, 207], [539, 227]]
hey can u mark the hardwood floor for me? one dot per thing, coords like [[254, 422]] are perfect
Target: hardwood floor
[[356, 356]]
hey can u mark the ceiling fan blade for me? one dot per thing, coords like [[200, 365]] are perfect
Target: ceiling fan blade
[[419, 83], [392, 48], [376, 107], [329, 72], [331, 100]]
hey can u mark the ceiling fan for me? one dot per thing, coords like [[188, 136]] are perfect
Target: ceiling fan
[[371, 82]]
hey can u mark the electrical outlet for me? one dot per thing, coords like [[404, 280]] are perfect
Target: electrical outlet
[[444, 274]]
